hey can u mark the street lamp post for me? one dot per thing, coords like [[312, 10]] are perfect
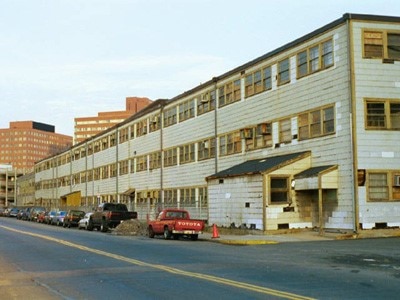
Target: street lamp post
[[6, 200], [15, 186]]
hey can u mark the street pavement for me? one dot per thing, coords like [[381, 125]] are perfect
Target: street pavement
[[306, 235]]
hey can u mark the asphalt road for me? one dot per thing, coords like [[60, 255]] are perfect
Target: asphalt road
[[47, 262]]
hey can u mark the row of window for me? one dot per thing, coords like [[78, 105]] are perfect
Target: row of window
[[228, 144], [380, 114], [312, 124], [178, 197], [381, 186]]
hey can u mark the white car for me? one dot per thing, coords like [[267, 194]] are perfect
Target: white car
[[83, 223]]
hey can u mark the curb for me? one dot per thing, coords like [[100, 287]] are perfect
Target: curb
[[244, 242]]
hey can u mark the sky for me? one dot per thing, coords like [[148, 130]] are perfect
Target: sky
[[62, 59]]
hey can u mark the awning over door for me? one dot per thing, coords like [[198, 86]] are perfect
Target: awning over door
[[324, 177], [260, 166], [129, 192]]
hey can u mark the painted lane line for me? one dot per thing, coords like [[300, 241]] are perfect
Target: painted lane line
[[215, 279]]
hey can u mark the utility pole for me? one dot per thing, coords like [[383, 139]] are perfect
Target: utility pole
[[6, 188]]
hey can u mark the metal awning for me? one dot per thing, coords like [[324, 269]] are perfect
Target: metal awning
[[69, 194], [129, 192], [321, 177], [260, 166]]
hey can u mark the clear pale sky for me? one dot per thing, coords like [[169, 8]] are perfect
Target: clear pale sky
[[61, 59]]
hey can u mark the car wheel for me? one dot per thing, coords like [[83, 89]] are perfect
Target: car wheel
[[89, 226], [151, 232], [167, 233], [103, 226]]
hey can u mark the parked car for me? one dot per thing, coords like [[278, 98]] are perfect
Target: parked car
[[6, 212], [72, 218], [34, 212], [13, 212], [25, 213], [83, 223], [49, 216], [58, 219], [41, 216]]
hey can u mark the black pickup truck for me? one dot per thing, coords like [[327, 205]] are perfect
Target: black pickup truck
[[109, 215]]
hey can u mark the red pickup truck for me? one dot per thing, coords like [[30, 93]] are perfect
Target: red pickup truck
[[175, 223]]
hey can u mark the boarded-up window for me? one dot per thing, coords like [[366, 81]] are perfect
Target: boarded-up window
[[285, 131], [373, 44]]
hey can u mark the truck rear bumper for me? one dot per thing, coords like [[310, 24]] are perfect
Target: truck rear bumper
[[186, 232]]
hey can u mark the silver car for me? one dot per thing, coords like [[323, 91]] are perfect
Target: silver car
[[83, 223]]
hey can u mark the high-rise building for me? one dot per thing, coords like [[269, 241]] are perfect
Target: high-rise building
[[26, 142], [86, 127]]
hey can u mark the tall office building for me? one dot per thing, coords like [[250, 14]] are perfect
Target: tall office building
[[86, 127], [26, 142]]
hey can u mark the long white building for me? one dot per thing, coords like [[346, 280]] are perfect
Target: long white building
[[307, 135]]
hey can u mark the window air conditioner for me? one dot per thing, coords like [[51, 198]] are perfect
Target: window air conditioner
[[246, 133], [264, 129], [205, 98]]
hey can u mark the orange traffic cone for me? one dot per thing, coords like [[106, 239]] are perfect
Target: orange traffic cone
[[215, 232]]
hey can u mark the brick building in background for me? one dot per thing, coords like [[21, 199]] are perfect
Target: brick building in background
[[27, 142], [86, 127]]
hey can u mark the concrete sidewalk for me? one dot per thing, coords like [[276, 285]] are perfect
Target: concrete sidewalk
[[230, 238]]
